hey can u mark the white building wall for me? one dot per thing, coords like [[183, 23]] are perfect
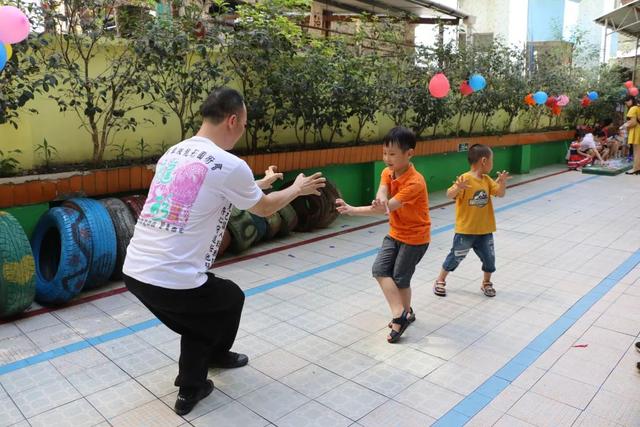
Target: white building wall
[[506, 19]]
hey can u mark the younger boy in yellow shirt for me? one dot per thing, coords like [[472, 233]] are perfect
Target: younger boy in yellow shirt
[[475, 219]]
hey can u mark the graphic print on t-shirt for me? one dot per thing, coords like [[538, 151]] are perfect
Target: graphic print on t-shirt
[[480, 199], [211, 254], [172, 194]]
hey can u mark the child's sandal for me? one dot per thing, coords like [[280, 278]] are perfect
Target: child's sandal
[[411, 317], [488, 290], [394, 336], [439, 289]]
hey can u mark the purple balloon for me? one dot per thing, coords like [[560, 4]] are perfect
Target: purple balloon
[[14, 25]]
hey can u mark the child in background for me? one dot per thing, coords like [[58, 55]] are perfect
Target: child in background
[[600, 138], [403, 196], [576, 160], [588, 147], [615, 144], [475, 219]]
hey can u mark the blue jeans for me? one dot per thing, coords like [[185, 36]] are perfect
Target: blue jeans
[[481, 244]]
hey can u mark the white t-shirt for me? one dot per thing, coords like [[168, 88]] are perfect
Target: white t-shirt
[[588, 142], [184, 218]]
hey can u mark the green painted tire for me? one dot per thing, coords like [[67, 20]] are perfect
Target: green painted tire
[[289, 220], [243, 230], [17, 278], [274, 224], [226, 242]]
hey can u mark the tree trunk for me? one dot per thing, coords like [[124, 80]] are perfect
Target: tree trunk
[[95, 138], [360, 128]]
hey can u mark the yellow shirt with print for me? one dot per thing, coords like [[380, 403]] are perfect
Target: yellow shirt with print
[[474, 209], [634, 132]]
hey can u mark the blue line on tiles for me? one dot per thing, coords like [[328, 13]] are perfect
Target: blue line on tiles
[[462, 413], [120, 333]]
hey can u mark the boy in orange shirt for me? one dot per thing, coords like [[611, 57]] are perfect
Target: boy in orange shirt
[[403, 196], [475, 220]]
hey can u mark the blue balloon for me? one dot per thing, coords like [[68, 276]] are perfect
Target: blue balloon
[[477, 82], [3, 56], [593, 95], [540, 97]]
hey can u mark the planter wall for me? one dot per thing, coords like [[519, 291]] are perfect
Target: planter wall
[[31, 190]]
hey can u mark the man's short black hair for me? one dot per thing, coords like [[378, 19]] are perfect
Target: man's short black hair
[[402, 137], [477, 152], [599, 133], [220, 104]]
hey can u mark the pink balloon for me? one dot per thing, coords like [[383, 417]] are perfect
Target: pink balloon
[[562, 100], [633, 91], [14, 25], [628, 84], [439, 86]]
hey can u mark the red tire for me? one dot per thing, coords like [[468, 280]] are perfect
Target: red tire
[[135, 204]]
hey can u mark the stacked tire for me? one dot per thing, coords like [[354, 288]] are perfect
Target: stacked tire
[[17, 277], [83, 243], [124, 224], [315, 212]]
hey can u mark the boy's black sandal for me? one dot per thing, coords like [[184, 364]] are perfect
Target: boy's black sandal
[[488, 290], [394, 336], [411, 317], [439, 289]]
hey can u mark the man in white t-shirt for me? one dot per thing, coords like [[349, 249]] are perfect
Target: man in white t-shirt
[[178, 234]]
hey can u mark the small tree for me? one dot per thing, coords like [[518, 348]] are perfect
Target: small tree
[[181, 65], [102, 94], [23, 76], [259, 52]]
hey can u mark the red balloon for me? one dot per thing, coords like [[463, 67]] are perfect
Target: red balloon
[[465, 89], [585, 101], [633, 91], [628, 84], [439, 86]]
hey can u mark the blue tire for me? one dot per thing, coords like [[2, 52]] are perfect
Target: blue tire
[[61, 245], [103, 240]]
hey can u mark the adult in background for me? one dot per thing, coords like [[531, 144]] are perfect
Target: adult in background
[[633, 131], [194, 188]]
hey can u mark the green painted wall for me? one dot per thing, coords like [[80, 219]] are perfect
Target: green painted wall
[[358, 183], [28, 216], [548, 154], [354, 181]]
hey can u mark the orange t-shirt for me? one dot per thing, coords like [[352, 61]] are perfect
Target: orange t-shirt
[[410, 223]]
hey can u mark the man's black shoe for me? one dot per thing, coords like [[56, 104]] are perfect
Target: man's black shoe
[[187, 399], [229, 360]]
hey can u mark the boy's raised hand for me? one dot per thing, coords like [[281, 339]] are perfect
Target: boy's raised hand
[[380, 206], [343, 207], [461, 184], [503, 177]]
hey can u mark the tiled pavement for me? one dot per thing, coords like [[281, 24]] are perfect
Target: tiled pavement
[[317, 344]]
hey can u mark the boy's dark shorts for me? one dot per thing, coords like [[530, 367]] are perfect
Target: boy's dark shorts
[[398, 261]]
